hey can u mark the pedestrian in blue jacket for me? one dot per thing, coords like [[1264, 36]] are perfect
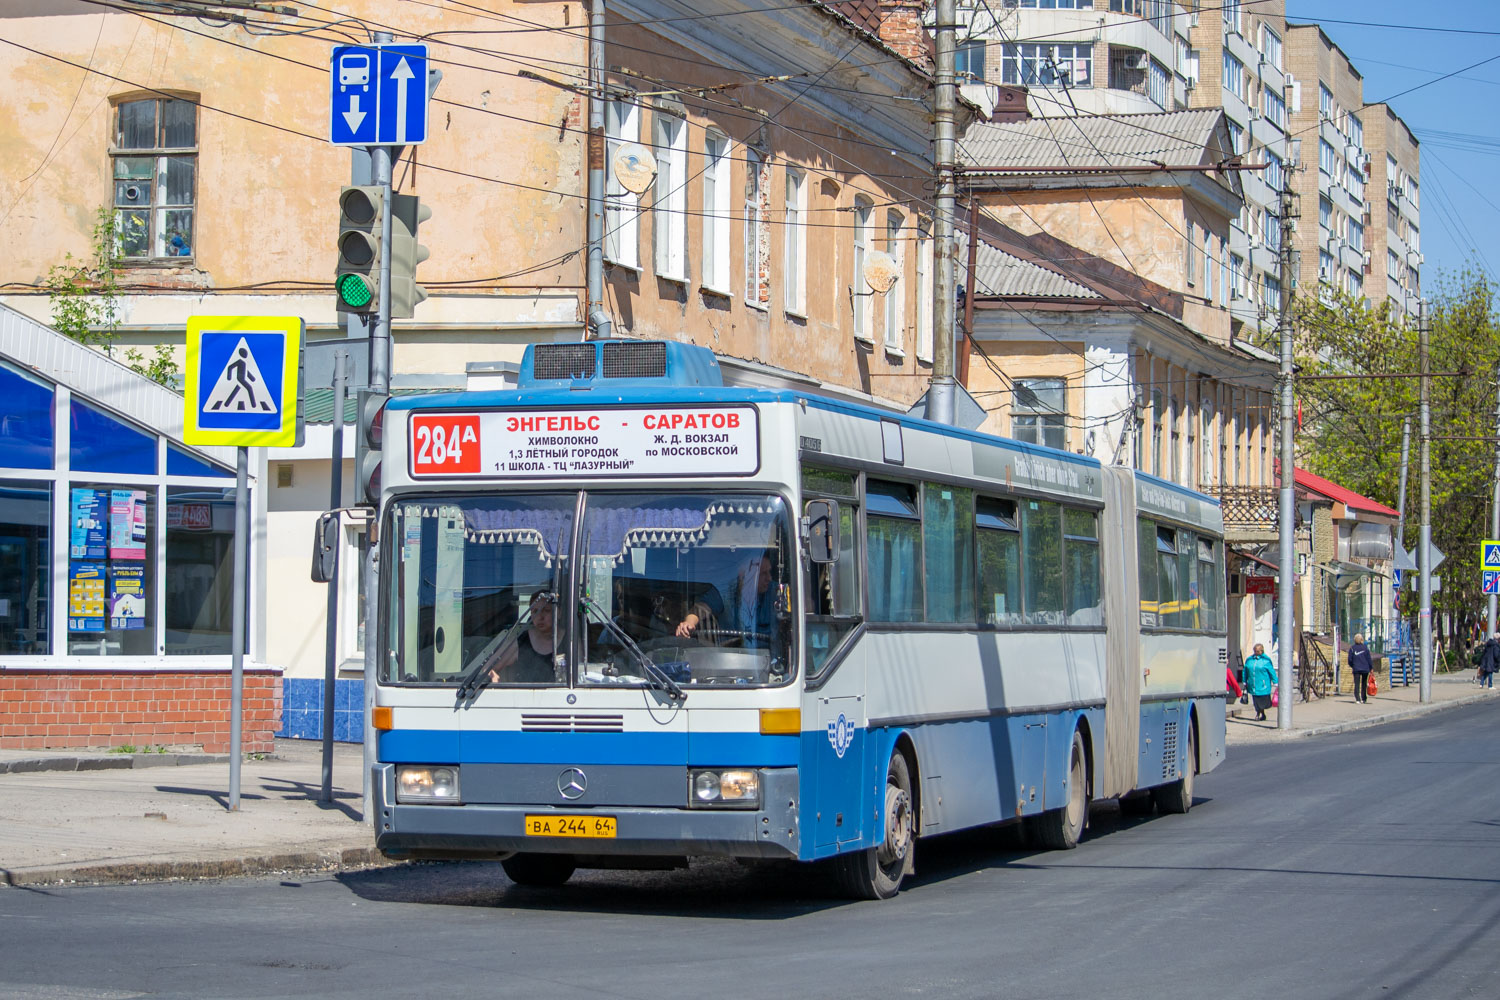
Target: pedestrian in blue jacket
[[1361, 664], [1260, 680]]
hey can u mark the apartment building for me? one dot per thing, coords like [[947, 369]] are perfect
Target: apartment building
[[1395, 276]]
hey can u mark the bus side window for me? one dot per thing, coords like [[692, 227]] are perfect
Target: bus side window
[[1168, 583], [998, 532], [1081, 558], [1041, 538], [1145, 553], [833, 588], [948, 550], [893, 545], [1210, 585], [1192, 596]]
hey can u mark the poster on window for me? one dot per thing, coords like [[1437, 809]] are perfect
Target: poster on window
[[127, 524], [86, 597], [87, 519], [127, 597]]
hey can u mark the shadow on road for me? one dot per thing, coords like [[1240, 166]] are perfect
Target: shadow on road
[[710, 887]]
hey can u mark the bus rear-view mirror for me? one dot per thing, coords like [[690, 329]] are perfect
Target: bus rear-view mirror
[[325, 558], [822, 519]]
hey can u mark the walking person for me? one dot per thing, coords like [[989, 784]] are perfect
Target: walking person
[[1489, 661], [1260, 680], [1361, 663]]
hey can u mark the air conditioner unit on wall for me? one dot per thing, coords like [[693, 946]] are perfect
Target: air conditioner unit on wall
[[1133, 60]]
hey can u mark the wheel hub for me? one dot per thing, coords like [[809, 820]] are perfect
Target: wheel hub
[[897, 825]]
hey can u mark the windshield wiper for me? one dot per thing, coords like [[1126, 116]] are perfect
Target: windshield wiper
[[655, 677], [476, 677]]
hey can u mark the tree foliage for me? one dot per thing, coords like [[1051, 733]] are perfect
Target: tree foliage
[[1351, 429], [85, 297]]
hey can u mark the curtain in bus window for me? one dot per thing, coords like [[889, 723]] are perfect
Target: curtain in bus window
[[1210, 591], [1168, 581], [1191, 615], [998, 534], [1145, 555], [895, 570], [1041, 537], [948, 548], [1081, 554]]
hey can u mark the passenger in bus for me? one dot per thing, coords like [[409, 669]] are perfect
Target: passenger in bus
[[529, 659], [751, 612]]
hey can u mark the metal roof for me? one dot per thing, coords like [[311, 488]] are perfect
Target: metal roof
[[999, 274], [1171, 139], [317, 404]]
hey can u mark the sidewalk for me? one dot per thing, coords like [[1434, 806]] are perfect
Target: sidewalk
[[77, 816], [1341, 713]]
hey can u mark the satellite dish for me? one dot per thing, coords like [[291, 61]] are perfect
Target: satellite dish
[[881, 271], [635, 167]]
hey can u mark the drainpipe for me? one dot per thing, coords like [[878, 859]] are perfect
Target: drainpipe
[[597, 323]]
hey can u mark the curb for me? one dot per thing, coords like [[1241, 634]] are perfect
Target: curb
[[330, 859], [123, 761], [1378, 720]]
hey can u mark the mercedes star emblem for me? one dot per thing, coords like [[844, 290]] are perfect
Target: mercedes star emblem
[[572, 783]]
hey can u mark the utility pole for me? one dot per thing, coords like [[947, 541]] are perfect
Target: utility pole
[[596, 320], [1401, 539], [940, 395], [381, 173], [1424, 543], [1495, 499], [1287, 515]]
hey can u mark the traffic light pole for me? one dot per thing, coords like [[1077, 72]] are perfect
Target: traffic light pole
[[381, 173]]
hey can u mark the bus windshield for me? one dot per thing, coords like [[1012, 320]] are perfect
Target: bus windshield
[[477, 585], [698, 582]]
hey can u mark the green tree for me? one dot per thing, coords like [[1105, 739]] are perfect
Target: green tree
[[85, 294], [1352, 425]]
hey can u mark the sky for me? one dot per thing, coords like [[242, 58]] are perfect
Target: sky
[[1460, 207]]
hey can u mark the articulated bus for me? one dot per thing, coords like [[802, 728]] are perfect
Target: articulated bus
[[630, 616]]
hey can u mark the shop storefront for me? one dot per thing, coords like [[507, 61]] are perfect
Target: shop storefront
[[116, 560]]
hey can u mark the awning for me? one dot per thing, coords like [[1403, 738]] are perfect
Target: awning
[[1346, 573]]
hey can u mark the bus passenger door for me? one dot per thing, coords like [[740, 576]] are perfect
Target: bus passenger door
[[839, 764]]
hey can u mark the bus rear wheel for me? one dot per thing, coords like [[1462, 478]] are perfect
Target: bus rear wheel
[[877, 872], [539, 870], [1061, 829], [1178, 796]]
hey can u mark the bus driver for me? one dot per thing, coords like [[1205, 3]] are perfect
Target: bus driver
[[752, 606]]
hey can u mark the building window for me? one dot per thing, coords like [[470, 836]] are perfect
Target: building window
[[1236, 138], [1206, 410], [622, 124], [112, 571], [1232, 14], [26, 435], [795, 233], [924, 290], [895, 296], [968, 62], [1274, 107], [1275, 171], [1325, 267], [1271, 234], [1058, 4], [1270, 45], [1236, 275], [1271, 289], [1159, 85], [1234, 73], [669, 196], [1208, 266], [1047, 65], [859, 290], [716, 201], [155, 161], [1325, 214], [1356, 236], [1192, 255], [1039, 414], [1325, 102], [757, 234], [25, 567], [200, 571]]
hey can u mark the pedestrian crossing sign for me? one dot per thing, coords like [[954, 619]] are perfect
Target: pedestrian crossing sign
[[1489, 555], [241, 384]]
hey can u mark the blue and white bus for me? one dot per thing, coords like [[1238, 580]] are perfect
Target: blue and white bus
[[630, 615]]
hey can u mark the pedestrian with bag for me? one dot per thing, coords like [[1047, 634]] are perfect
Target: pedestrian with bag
[[1361, 663], [1489, 661], [1260, 680]]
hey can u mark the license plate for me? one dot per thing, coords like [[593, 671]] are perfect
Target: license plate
[[570, 826]]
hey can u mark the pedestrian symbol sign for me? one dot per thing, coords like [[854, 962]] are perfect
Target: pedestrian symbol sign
[[241, 385], [1489, 555]]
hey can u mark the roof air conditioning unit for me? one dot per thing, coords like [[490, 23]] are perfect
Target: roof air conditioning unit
[[1367, 218], [1134, 60]]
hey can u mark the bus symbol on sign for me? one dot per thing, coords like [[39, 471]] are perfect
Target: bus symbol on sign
[[444, 444], [1491, 582]]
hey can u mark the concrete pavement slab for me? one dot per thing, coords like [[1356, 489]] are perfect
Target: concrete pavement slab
[[1341, 713]]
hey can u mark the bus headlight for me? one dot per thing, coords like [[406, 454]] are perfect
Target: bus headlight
[[432, 785], [736, 788]]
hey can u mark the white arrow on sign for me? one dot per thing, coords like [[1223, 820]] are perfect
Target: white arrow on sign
[[403, 76], [354, 116]]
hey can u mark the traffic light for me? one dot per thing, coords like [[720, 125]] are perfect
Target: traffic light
[[367, 444], [356, 283], [407, 213]]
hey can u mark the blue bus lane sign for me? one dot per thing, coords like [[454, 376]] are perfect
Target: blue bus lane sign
[[378, 95]]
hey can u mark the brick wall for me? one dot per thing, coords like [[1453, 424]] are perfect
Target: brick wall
[[90, 708]]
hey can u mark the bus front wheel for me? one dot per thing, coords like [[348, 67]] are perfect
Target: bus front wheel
[[877, 872], [539, 870], [1061, 829], [1178, 796]]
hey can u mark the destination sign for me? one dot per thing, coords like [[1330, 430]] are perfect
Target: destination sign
[[566, 443]]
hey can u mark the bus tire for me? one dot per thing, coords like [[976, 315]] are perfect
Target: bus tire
[[1178, 796], [1060, 829], [539, 870], [877, 872]]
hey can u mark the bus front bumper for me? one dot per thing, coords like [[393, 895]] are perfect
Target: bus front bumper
[[483, 831]]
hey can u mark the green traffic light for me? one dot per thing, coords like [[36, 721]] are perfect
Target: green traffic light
[[353, 290]]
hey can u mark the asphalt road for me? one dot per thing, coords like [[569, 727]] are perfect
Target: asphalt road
[[1364, 865]]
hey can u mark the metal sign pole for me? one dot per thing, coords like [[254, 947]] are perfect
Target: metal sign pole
[[237, 628], [335, 501]]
